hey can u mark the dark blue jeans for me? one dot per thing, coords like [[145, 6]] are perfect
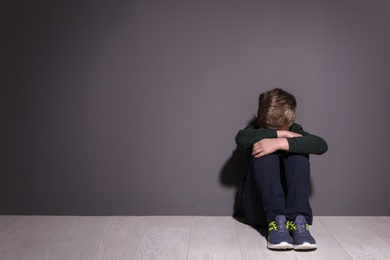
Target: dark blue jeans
[[277, 184]]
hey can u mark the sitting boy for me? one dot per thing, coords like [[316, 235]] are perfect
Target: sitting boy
[[276, 189]]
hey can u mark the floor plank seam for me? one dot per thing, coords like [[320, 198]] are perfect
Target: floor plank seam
[[360, 218], [335, 239], [373, 230], [238, 237], [142, 237], [189, 239]]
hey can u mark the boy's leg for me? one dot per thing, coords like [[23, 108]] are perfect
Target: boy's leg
[[266, 175], [297, 172], [252, 202], [263, 180], [262, 194]]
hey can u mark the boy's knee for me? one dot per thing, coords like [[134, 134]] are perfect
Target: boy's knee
[[266, 161], [298, 158], [269, 158], [298, 163]]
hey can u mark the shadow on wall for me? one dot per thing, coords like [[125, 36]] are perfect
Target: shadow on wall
[[232, 175], [233, 172]]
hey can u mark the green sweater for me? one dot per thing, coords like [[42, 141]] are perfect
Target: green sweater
[[306, 144]]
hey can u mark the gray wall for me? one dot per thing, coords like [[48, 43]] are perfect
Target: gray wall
[[131, 107]]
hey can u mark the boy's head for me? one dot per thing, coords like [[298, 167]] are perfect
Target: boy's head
[[276, 109]]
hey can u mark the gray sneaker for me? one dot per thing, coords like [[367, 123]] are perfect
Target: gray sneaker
[[303, 240], [278, 234]]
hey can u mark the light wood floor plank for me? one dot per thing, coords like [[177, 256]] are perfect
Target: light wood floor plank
[[121, 237], [180, 238], [165, 238], [8, 222], [356, 237], [254, 245], [25, 234], [16, 245], [380, 225], [74, 239], [39, 223], [214, 238]]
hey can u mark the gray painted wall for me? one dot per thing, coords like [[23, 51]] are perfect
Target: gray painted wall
[[131, 107]]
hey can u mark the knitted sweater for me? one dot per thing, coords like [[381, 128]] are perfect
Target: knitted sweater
[[306, 144]]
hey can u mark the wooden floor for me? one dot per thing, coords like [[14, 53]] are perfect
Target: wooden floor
[[181, 237]]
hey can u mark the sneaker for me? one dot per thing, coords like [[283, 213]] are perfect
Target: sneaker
[[278, 234], [303, 240]]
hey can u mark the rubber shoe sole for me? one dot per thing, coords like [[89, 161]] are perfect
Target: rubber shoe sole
[[305, 246], [281, 246]]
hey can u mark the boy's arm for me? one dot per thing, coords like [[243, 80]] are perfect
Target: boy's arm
[[307, 144], [264, 141], [245, 138]]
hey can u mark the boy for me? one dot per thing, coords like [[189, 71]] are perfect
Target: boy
[[276, 189]]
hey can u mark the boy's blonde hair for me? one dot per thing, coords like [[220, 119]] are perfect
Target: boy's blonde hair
[[276, 109]]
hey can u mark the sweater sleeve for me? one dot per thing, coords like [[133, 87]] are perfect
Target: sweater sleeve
[[307, 143], [245, 138]]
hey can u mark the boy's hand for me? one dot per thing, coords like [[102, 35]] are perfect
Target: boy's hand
[[268, 146], [287, 134]]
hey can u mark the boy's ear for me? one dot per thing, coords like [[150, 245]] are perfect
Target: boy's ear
[[257, 120]]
